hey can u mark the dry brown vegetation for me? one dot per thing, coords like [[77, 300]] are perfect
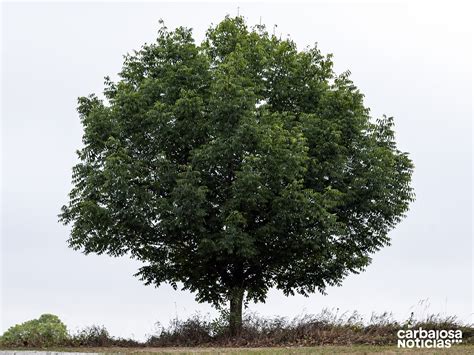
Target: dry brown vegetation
[[325, 329]]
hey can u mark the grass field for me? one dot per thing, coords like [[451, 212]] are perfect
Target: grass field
[[323, 350]]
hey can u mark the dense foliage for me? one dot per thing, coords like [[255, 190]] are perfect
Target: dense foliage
[[47, 330], [234, 166]]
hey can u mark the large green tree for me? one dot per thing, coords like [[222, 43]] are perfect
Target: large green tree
[[235, 166]]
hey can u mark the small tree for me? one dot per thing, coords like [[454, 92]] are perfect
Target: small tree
[[47, 330], [235, 166]]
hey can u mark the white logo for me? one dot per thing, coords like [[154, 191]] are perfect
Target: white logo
[[422, 338]]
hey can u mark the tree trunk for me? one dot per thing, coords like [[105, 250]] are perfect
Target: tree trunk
[[235, 314]]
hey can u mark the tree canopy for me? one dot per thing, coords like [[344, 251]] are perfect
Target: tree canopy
[[235, 165]]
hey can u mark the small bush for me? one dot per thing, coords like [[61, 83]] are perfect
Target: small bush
[[46, 331], [92, 336], [98, 336], [190, 332]]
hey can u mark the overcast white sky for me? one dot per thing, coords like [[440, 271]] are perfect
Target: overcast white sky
[[413, 61]]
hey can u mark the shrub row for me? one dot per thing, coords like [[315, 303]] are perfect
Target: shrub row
[[326, 328], [49, 331]]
